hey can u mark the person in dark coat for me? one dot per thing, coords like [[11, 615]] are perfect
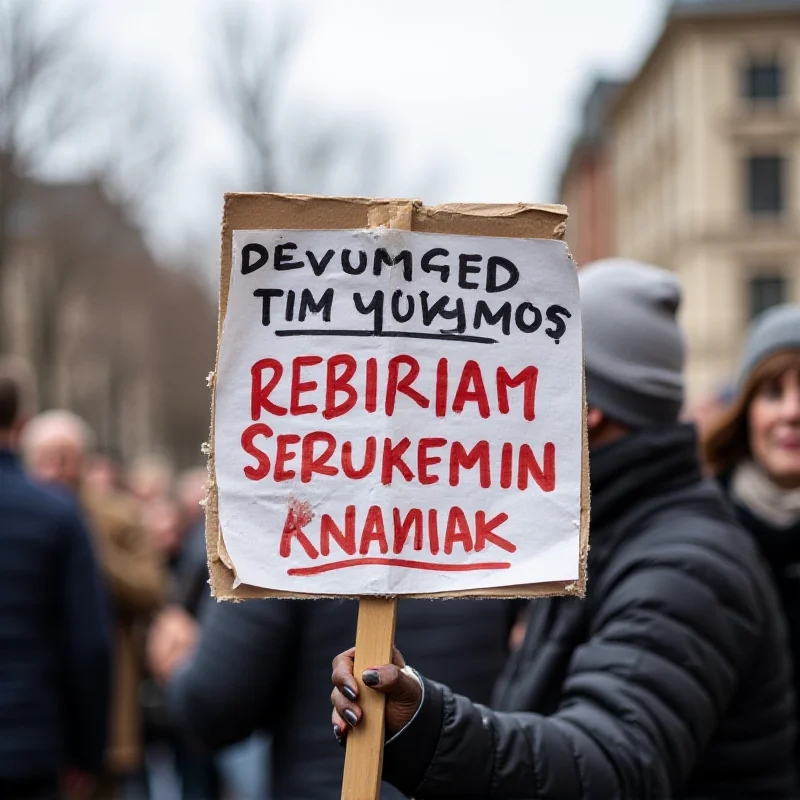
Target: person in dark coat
[[55, 445], [55, 630], [265, 664], [672, 678], [182, 548], [755, 451]]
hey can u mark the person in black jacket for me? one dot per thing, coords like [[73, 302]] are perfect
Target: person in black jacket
[[671, 679], [755, 451], [265, 664], [55, 635]]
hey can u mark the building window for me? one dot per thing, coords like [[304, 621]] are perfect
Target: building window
[[763, 80], [765, 291], [765, 184]]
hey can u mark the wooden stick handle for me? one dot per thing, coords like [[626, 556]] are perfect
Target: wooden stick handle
[[364, 757], [375, 633]]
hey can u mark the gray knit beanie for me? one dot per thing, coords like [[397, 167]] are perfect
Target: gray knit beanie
[[633, 347], [776, 329]]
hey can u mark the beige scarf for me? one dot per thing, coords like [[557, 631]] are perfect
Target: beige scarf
[[752, 488]]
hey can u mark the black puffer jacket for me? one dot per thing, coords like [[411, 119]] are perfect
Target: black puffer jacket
[[670, 680], [781, 549], [266, 664]]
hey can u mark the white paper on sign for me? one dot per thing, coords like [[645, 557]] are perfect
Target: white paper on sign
[[399, 412]]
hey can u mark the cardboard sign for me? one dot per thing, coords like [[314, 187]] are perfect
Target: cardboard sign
[[396, 412]]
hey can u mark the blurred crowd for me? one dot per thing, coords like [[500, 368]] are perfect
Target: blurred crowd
[[147, 529], [121, 678]]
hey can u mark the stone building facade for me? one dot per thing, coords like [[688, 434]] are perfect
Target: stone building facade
[[703, 160], [111, 334]]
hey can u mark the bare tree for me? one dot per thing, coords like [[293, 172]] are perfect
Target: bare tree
[[43, 81], [39, 104], [137, 144], [78, 264], [319, 157], [335, 158], [251, 70]]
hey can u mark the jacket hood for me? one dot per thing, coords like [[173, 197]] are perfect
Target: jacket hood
[[640, 467]]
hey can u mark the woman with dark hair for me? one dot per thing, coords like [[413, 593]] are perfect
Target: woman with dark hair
[[754, 449]]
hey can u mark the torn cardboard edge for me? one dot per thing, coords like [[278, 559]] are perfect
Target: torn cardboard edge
[[250, 211]]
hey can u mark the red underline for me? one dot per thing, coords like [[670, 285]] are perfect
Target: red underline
[[397, 562]]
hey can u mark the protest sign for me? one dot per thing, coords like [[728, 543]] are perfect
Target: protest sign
[[397, 410], [403, 404]]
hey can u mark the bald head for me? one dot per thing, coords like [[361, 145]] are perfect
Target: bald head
[[54, 446], [191, 491]]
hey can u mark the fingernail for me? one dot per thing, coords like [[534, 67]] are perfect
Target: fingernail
[[350, 717], [348, 693], [336, 732], [371, 677]]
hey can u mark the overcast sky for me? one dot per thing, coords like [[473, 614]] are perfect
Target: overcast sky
[[477, 99]]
